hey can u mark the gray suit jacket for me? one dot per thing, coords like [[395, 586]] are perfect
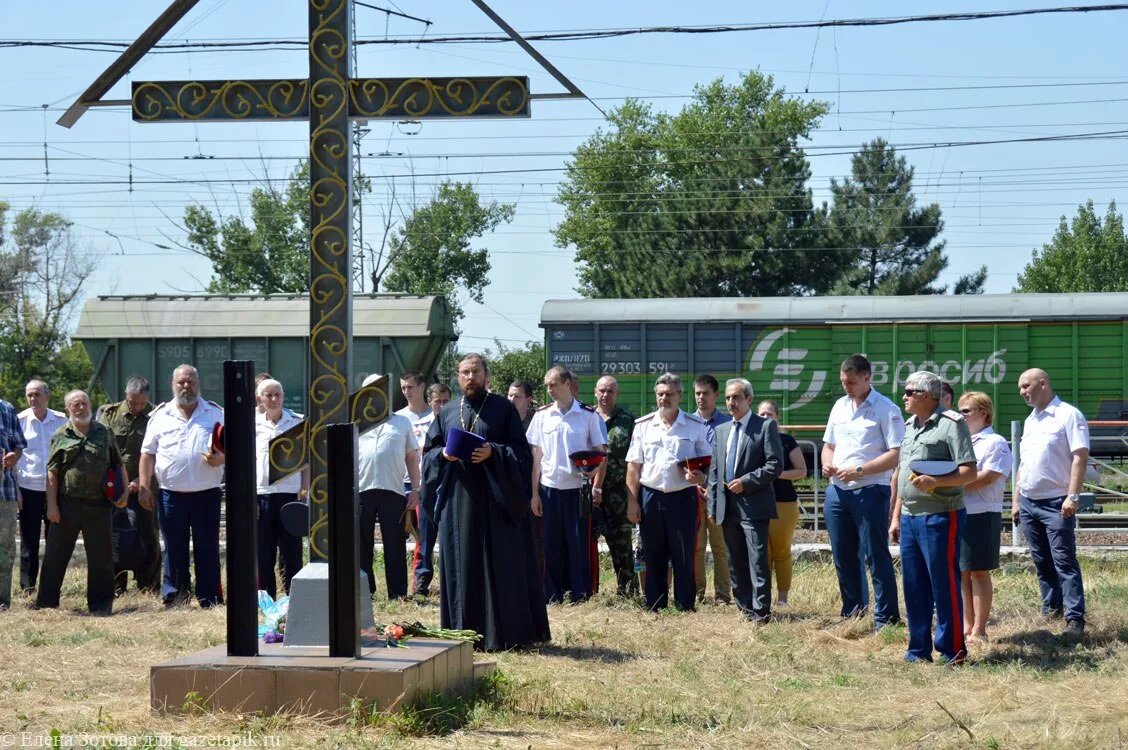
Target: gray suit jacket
[[759, 461]]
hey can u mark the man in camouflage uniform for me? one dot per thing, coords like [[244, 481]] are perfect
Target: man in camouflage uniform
[[12, 443], [613, 523], [82, 453], [126, 421]]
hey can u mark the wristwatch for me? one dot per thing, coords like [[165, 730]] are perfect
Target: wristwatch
[[860, 471], [1073, 497]]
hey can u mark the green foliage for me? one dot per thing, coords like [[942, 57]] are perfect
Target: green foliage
[[194, 703], [1085, 255], [437, 714], [507, 364], [42, 272], [269, 256], [710, 201], [431, 253], [893, 243]]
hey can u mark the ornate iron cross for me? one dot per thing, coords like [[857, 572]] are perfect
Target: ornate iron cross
[[329, 98]]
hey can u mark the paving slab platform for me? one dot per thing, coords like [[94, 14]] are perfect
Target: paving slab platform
[[306, 680]]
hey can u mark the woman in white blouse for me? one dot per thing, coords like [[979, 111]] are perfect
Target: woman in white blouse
[[984, 496]]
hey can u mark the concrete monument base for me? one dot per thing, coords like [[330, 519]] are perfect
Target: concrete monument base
[[305, 680], [307, 619]]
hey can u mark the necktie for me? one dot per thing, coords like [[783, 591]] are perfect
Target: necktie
[[733, 447]]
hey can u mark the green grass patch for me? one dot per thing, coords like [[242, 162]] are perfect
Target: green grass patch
[[436, 714]]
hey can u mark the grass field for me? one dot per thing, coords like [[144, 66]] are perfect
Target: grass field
[[618, 677]]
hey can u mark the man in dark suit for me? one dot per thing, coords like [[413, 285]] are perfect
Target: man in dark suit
[[747, 456]]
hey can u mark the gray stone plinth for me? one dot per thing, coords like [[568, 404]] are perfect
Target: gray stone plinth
[[307, 620]]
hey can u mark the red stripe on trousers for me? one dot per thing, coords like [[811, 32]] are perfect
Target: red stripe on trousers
[[593, 558], [417, 555], [953, 584]]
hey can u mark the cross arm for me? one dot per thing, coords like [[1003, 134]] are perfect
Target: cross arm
[[368, 407], [369, 98]]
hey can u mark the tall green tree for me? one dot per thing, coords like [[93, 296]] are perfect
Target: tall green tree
[[710, 201], [509, 363], [424, 249], [431, 252], [894, 244], [42, 272], [268, 255], [1085, 255]]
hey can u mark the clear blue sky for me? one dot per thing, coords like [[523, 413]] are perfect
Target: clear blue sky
[[989, 80]]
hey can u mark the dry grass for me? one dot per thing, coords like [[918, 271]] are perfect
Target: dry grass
[[620, 677]]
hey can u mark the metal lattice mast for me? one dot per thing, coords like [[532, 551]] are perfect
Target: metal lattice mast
[[359, 131]]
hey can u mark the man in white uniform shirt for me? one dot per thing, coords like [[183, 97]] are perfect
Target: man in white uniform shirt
[[559, 429], [419, 414], [38, 424], [273, 538], [860, 450], [1051, 471], [178, 448], [662, 495], [388, 453]]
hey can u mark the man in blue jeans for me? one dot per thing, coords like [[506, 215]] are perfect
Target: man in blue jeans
[[1053, 452], [178, 448], [860, 449]]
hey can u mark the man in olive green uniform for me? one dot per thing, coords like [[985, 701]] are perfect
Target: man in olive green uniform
[[936, 461], [127, 421], [82, 452], [614, 526]]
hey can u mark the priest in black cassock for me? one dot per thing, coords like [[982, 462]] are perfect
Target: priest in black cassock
[[490, 580]]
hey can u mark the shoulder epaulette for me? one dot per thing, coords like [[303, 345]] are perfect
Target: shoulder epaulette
[[542, 408], [585, 407], [58, 413], [694, 418], [955, 416], [645, 417], [214, 404], [159, 406]]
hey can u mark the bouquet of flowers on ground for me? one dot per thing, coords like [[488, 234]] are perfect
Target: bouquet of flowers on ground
[[395, 634], [274, 617]]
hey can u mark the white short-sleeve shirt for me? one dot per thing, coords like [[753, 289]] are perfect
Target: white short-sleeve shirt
[[659, 449], [420, 425], [1049, 438], [265, 431], [382, 453], [992, 453], [180, 444], [862, 434], [558, 435], [32, 467]]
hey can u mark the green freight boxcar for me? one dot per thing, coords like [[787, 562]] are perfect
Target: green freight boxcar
[[150, 336], [791, 348]]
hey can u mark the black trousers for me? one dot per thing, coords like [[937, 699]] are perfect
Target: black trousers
[[148, 575], [388, 507], [750, 566], [33, 520], [274, 542], [94, 519]]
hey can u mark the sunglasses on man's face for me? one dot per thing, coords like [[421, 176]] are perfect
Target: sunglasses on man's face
[[967, 411], [910, 392]]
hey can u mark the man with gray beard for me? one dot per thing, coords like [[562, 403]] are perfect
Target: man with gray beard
[[82, 453], [178, 447]]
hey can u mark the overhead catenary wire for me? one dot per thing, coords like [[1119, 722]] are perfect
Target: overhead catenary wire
[[590, 34]]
